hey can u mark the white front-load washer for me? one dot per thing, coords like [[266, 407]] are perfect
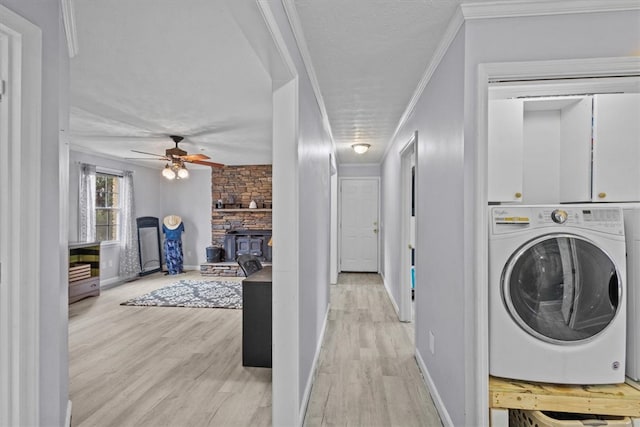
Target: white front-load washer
[[557, 303], [631, 214]]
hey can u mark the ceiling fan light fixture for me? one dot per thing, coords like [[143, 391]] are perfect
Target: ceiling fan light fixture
[[168, 173], [183, 173], [361, 148]]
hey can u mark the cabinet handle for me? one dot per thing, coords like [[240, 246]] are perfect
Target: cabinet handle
[[518, 195], [602, 195]]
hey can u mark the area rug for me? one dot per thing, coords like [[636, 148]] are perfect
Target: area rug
[[193, 293]]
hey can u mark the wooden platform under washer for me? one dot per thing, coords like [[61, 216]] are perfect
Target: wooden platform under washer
[[610, 399]]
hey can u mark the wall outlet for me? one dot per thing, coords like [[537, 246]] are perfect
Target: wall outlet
[[110, 263], [432, 343]]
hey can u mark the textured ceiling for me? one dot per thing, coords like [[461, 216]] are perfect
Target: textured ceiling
[[369, 56], [147, 69]]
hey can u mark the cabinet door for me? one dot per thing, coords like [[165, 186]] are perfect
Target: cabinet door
[[575, 151], [616, 147], [505, 132]]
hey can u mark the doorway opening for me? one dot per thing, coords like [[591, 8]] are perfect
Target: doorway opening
[[408, 234]]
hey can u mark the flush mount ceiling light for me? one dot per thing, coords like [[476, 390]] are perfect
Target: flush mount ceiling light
[[360, 148]]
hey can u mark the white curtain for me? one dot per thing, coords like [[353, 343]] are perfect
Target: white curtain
[[87, 203], [129, 255]]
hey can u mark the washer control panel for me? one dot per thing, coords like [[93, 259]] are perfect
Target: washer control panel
[[607, 219]]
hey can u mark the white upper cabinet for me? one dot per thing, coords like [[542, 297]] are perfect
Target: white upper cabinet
[[616, 148], [505, 132], [540, 150]]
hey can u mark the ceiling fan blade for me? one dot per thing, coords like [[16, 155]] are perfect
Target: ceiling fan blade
[[146, 158], [150, 154], [202, 162], [192, 157]]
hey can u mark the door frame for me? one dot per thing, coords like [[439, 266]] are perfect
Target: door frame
[[360, 178], [408, 155], [20, 223]]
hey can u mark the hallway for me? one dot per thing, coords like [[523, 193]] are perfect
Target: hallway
[[367, 374]]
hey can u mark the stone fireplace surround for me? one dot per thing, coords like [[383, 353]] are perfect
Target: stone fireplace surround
[[237, 186]]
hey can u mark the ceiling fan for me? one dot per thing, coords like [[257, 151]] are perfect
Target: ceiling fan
[[178, 157]]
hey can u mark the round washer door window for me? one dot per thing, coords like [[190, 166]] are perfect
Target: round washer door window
[[561, 288]]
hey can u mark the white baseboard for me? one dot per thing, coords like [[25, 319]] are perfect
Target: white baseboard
[[437, 399], [67, 420], [106, 283], [314, 368], [393, 301]]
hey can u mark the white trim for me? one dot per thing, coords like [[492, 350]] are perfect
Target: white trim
[[509, 9], [539, 88], [515, 71], [393, 301], [20, 321], [450, 34], [303, 48], [314, 369], [67, 418], [69, 20], [276, 35], [285, 267], [437, 399], [563, 68]]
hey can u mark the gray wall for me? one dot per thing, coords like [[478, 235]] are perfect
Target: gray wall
[[53, 314], [439, 119], [445, 117], [358, 170], [154, 196]]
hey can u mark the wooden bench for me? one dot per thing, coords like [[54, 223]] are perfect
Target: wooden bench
[[611, 399]]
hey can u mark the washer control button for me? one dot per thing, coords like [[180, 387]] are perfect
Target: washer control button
[[559, 216]]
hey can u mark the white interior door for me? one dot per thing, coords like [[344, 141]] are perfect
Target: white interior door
[[359, 224]]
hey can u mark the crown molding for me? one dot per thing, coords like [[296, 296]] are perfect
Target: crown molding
[[508, 9], [276, 35], [303, 48], [69, 20]]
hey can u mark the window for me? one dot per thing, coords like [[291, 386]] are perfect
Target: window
[[107, 206]]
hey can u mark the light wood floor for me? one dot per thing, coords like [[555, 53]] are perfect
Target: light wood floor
[[367, 374], [161, 366], [152, 366]]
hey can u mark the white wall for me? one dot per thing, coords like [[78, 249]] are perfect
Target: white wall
[[53, 292], [154, 196], [351, 170], [314, 219], [191, 200], [445, 117]]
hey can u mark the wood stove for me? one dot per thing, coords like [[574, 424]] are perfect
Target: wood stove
[[252, 242]]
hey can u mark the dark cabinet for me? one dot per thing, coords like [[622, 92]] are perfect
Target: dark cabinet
[[256, 319]]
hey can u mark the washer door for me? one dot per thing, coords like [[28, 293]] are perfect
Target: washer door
[[561, 288]]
